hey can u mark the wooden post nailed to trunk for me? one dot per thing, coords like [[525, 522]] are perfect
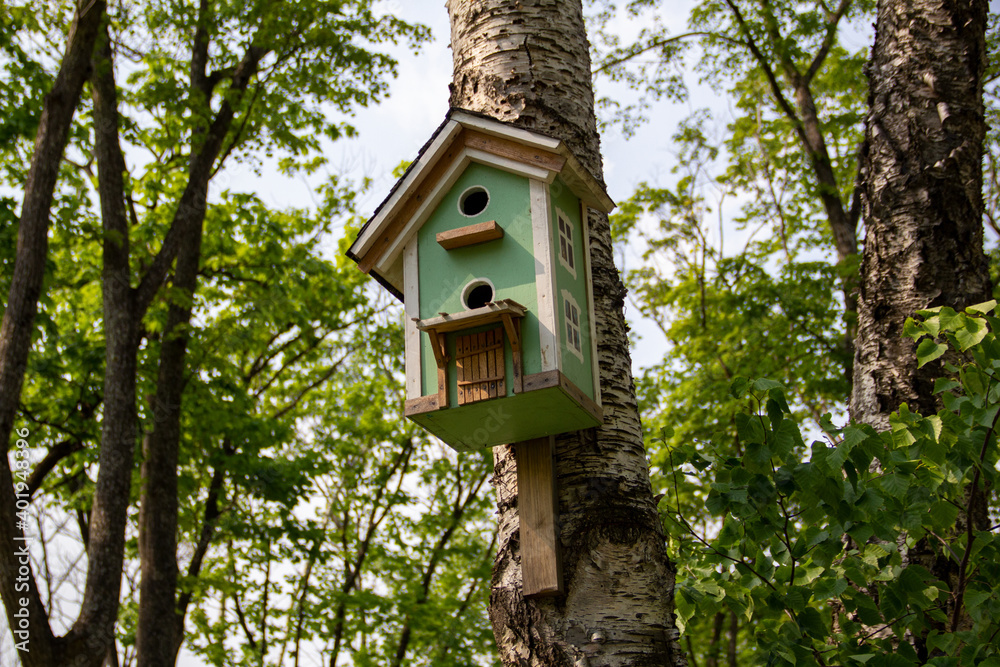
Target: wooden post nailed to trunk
[[537, 507], [528, 63]]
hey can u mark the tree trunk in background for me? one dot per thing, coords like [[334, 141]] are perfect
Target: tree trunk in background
[[922, 195], [923, 212], [16, 330], [527, 62]]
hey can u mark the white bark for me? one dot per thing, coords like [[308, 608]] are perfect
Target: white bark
[[527, 62], [922, 193]]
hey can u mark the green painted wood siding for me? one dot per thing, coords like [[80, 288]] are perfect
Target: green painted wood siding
[[508, 263], [577, 368]]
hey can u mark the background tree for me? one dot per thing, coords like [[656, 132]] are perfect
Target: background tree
[[755, 297], [243, 87], [617, 608], [923, 194], [52, 130], [743, 250], [923, 201]]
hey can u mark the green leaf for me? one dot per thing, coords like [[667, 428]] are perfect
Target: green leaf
[[945, 384], [749, 428], [786, 438], [916, 329], [765, 384], [984, 307], [951, 320], [738, 386], [944, 513], [946, 642], [928, 351], [971, 334], [829, 587], [795, 598], [973, 599], [813, 624], [896, 485]]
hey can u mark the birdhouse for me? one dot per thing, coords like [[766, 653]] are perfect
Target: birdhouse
[[485, 241]]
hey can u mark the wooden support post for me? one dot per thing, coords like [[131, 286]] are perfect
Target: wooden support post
[[441, 358], [513, 328], [537, 507]]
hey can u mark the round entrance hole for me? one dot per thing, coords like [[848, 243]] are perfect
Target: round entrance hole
[[473, 201], [477, 294]]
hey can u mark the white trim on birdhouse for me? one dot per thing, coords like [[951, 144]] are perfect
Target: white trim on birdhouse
[[498, 129], [473, 284], [595, 364], [411, 307], [509, 164], [544, 278], [414, 177], [467, 192]]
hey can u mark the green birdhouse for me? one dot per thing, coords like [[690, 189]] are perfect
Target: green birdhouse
[[485, 241]]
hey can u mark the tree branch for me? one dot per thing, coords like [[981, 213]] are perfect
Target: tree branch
[[56, 453], [970, 526], [655, 44], [209, 521], [832, 21], [191, 207], [772, 80]]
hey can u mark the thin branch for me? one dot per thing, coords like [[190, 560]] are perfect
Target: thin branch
[[832, 20], [768, 72], [969, 528], [312, 385], [314, 344], [243, 622], [657, 43], [56, 453]]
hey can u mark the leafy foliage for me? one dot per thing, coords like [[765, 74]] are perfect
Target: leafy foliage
[[314, 522], [824, 550]]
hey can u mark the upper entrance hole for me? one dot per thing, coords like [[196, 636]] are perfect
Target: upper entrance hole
[[473, 201]]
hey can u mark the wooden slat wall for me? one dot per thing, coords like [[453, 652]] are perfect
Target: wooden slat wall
[[479, 360]]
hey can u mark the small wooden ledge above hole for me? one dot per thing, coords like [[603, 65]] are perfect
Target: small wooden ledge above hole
[[471, 235]]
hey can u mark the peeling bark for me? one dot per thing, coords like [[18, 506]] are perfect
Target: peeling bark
[[528, 63], [922, 197], [923, 210]]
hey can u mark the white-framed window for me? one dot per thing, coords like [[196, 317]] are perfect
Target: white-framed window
[[571, 314], [566, 255]]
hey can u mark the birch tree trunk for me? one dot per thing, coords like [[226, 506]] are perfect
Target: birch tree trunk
[[922, 195], [923, 212], [527, 62]]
